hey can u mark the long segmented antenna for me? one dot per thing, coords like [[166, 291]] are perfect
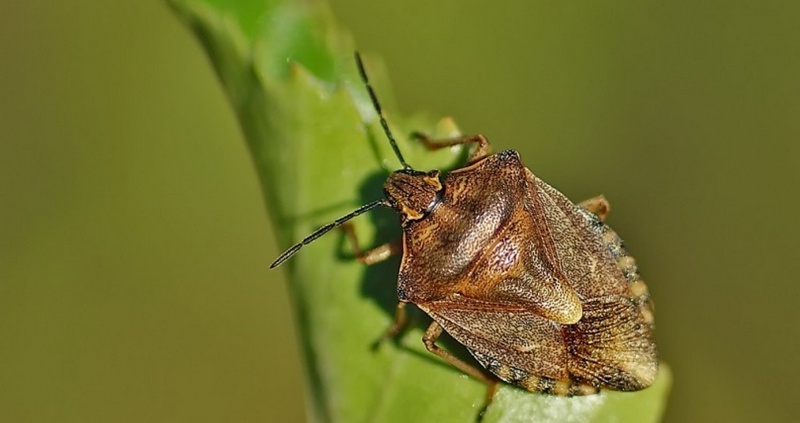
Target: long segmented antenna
[[365, 208], [380, 112], [321, 231]]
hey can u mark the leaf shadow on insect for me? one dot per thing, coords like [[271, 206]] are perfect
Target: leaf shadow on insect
[[379, 282]]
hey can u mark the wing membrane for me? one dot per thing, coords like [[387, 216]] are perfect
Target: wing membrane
[[612, 346], [522, 339]]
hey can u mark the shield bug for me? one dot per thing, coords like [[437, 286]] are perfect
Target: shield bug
[[539, 290]]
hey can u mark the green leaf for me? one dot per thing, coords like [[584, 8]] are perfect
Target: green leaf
[[320, 152]]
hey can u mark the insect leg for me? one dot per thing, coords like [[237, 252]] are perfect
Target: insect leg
[[481, 151], [597, 205], [398, 324], [375, 255], [429, 339]]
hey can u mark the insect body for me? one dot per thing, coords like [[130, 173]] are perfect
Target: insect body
[[539, 290]]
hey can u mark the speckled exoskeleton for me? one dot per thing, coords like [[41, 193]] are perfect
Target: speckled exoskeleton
[[539, 290]]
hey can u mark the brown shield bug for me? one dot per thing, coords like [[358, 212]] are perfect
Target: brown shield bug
[[539, 290]]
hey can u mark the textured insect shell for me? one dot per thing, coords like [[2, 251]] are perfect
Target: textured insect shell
[[539, 290]]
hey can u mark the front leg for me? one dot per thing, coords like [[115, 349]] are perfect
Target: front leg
[[375, 255], [481, 151]]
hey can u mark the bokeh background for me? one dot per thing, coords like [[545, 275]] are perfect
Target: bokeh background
[[134, 242]]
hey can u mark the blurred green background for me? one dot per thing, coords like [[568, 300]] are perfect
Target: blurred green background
[[134, 243]]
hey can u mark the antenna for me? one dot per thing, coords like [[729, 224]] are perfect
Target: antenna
[[365, 208], [380, 112], [323, 230]]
